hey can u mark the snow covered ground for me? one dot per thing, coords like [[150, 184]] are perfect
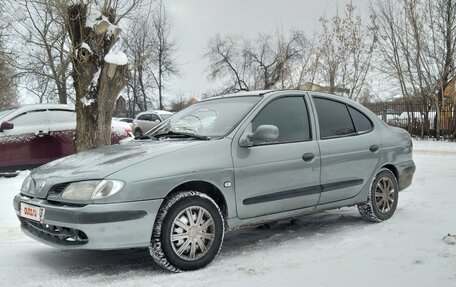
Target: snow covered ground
[[335, 248]]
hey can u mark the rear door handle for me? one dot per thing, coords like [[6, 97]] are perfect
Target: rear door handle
[[308, 156], [373, 148]]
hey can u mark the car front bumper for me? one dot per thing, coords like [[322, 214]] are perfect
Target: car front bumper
[[93, 226]]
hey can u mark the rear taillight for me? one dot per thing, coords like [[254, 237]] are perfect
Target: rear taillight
[[129, 131]]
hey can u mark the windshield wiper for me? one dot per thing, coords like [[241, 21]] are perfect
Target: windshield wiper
[[172, 133]]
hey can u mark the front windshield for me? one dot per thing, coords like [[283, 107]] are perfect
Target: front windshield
[[214, 118], [4, 112]]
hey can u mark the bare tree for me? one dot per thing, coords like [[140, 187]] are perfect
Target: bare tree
[[417, 43], [228, 62], [271, 58], [346, 50], [8, 95], [164, 62], [100, 71], [269, 62], [141, 49], [43, 60]]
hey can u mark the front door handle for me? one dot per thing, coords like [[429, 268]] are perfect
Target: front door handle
[[373, 148], [308, 156]]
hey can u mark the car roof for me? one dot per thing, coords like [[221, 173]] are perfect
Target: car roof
[[241, 94], [30, 107], [154, 112]]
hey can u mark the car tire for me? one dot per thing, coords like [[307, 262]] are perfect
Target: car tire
[[382, 198], [138, 133], [182, 244]]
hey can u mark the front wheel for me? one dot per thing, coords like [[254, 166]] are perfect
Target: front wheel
[[188, 232], [138, 133], [382, 199]]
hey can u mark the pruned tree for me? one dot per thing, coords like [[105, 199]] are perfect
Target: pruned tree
[[100, 71], [43, 60], [345, 52]]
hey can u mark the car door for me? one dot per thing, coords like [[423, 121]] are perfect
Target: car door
[[277, 176], [27, 144], [62, 130], [349, 147]]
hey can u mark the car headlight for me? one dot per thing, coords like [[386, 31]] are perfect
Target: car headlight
[[91, 189], [26, 184]]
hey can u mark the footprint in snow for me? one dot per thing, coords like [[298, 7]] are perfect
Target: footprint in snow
[[450, 239]]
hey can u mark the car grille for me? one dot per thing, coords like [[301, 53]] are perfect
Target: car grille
[[57, 189], [55, 234]]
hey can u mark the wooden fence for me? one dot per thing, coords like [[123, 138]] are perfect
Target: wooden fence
[[418, 119]]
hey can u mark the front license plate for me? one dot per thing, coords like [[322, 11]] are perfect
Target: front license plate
[[32, 212]]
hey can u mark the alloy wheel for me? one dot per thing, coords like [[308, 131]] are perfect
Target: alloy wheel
[[385, 194]]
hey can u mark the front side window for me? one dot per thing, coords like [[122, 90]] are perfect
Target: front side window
[[289, 115], [31, 118], [155, 118], [333, 118]]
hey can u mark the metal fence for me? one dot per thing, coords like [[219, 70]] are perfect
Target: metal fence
[[419, 119]]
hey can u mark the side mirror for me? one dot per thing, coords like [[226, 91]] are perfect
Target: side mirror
[[6, 126], [263, 134]]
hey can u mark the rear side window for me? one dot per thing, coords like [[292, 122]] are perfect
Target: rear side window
[[362, 123], [289, 115], [333, 118], [62, 116]]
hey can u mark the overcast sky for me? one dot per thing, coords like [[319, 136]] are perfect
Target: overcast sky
[[195, 21]]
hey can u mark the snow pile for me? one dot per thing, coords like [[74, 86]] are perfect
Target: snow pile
[[117, 58], [86, 46], [87, 102], [450, 239]]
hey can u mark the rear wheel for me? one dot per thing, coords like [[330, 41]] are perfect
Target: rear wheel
[[188, 232], [382, 199]]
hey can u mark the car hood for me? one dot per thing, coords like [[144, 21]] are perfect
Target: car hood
[[101, 162]]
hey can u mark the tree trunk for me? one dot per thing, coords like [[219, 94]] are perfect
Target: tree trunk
[[97, 82]]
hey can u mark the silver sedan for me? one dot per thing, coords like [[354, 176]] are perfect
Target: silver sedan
[[220, 164]]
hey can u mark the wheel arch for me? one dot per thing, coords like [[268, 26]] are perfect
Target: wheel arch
[[204, 187], [393, 169]]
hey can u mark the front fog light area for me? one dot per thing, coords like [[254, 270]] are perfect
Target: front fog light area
[[92, 189]]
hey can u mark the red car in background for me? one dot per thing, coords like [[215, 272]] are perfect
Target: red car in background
[[32, 135]]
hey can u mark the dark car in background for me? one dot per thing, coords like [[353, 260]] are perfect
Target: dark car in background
[[32, 135]]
